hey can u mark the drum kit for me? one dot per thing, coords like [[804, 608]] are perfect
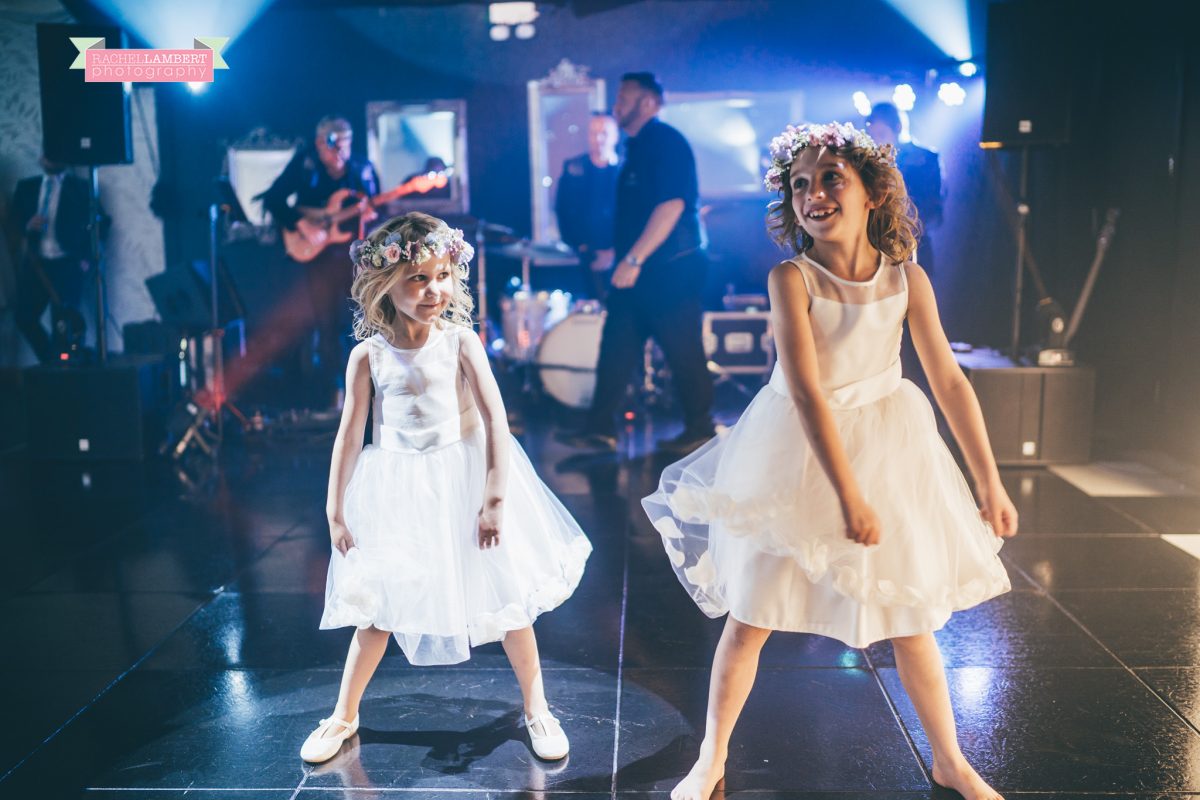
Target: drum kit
[[546, 333]]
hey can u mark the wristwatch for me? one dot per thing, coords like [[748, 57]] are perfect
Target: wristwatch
[[632, 260]]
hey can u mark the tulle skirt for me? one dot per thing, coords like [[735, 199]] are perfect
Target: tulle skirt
[[417, 569], [753, 527]]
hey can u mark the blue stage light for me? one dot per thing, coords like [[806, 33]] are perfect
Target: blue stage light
[[862, 103], [176, 25], [944, 22], [196, 87], [952, 94], [904, 97]]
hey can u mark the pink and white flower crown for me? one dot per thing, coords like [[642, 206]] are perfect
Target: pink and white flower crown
[[441, 241], [834, 135]]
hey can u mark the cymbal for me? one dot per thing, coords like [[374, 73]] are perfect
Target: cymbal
[[540, 254]]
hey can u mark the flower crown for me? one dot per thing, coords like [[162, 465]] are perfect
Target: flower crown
[[441, 241], [795, 138]]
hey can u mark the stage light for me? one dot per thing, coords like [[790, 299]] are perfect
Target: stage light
[[904, 97], [944, 22], [499, 33], [196, 87], [525, 30], [176, 25], [952, 94], [862, 103], [967, 69]]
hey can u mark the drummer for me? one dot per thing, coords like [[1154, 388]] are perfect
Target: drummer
[[585, 204]]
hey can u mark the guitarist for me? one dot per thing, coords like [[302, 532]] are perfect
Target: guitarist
[[313, 175], [50, 212]]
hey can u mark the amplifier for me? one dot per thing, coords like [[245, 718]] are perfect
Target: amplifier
[[95, 412], [1034, 415], [739, 342]]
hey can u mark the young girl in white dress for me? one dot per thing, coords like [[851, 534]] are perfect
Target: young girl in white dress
[[443, 536], [833, 506]]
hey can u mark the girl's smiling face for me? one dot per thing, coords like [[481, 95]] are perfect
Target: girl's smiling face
[[829, 198], [425, 290]]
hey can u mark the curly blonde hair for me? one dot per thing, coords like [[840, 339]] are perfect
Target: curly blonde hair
[[892, 226], [374, 311]]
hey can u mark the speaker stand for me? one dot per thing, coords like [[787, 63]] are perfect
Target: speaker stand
[[98, 265], [1019, 276]]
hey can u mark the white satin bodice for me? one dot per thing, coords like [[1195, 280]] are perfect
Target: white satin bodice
[[857, 327], [422, 400]]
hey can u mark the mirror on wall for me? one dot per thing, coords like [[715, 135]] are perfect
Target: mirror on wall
[[729, 132], [423, 145], [560, 106]]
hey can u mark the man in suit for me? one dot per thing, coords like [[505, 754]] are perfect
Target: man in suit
[[585, 204], [922, 171], [50, 212]]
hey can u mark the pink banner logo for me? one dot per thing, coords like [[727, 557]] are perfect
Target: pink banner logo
[[101, 65]]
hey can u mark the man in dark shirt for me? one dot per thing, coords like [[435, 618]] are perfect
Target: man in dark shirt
[[51, 212], [659, 277], [922, 173], [586, 203], [313, 175]]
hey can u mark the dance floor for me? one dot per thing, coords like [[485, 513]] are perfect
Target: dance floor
[[156, 647]]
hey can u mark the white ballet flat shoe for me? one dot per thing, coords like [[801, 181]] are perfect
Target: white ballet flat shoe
[[318, 747], [546, 737]]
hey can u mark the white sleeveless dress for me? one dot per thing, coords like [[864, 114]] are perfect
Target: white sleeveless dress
[[412, 507], [752, 524]]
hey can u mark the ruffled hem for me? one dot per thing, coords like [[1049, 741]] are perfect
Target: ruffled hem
[[817, 556], [759, 489], [359, 608]]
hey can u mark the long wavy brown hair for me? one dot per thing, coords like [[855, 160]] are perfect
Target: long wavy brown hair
[[892, 226], [374, 311]]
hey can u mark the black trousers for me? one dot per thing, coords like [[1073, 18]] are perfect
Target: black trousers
[[32, 298], [329, 276], [664, 304]]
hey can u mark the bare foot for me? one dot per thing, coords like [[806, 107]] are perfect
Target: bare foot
[[702, 780], [963, 778]]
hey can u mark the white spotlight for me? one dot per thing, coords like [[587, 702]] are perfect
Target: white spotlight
[[525, 30], [952, 94], [196, 87], [499, 33], [904, 97], [862, 103], [967, 69]]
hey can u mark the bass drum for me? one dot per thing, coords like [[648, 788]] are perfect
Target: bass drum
[[567, 356]]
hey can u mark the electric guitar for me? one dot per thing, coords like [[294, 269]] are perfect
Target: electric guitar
[[336, 211]]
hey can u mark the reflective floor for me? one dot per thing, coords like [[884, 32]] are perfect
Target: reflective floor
[[156, 647]]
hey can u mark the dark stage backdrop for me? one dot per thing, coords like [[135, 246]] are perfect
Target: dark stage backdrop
[[295, 64]]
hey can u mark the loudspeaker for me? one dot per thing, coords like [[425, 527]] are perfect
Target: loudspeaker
[[100, 412], [1029, 59], [82, 123], [1033, 415]]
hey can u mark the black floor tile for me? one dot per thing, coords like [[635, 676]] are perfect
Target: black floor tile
[[1052, 730], [1180, 686], [39, 702], [664, 628], [1018, 629], [802, 730], [1048, 504], [101, 631], [456, 729], [1103, 562], [1162, 514], [175, 730], [1143, 628]]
